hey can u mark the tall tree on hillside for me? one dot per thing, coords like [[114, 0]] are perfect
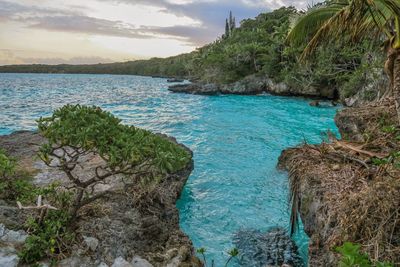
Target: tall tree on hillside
[[230, 25], [227, 28], [230, 21], [355, 19]]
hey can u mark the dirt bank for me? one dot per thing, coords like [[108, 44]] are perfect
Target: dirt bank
[[349, 190]]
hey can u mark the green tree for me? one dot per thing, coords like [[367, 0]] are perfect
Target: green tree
[[77, 133], [353, 20]]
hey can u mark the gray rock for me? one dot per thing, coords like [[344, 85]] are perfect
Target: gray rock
[[14, 237], [121, 262], [8, 257], [195, 88], [175, 262], [103, 264], [2, 229], [91, 242], [73, 261], [273, 248], [140, 262]]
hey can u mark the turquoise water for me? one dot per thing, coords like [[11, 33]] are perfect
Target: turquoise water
[[236, 142]]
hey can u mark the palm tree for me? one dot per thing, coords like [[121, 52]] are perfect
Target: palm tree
[[355, 19]]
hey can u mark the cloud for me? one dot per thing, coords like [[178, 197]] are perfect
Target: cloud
[[8, 56], [12, 11], [73, 60], [77, 17], [87, 25], [211, 14]]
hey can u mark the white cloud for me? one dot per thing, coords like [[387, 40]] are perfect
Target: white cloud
[[116, 29]]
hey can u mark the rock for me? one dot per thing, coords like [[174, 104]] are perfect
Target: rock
[[14, 237], [91, 242], [8, 257], [121, 262], [195, 88], [102, 264], [175, 80], [2, 230], [74, 261], [372, 88], [251, 85], [273, 248], [116, 221], [175, 262], [336, 167], [314, 103], [140, 262]]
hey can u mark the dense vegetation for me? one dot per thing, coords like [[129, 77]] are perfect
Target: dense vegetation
[[258, 46], [352, 22]]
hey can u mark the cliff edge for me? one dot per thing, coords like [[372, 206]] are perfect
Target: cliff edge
[[349, 189], [131, 227]]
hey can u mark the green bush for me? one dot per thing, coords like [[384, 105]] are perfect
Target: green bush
[[47, 238], [14, 186], [233, 253], [50, 232], [7, 165], [75, 131], [351, 256]]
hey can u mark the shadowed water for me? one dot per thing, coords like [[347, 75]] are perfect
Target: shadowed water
[[236, 142]]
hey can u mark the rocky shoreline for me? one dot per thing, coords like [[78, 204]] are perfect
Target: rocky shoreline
[[339, 191], [132, 227], [252, 85]]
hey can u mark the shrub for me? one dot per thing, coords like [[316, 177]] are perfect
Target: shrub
[[14, 185], [49, 237], [75, 132], [352, 256], [233, 253], [7, 165]]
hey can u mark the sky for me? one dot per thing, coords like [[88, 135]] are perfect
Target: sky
[[102, 31]]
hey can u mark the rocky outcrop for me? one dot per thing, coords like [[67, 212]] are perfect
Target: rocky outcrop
[[373, 87], [251, 85], [272, 248], [10, 241], [134, 226], [341, 194]]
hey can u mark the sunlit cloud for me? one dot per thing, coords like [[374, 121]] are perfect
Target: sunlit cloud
[[76, 31]]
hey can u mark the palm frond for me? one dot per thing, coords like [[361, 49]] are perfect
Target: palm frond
[[353, 19], [310, 23]]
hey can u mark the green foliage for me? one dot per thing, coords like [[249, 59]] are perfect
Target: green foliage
[[351, 256], [75, 131], [393, 158], [48, 233], [233, 253], [47, 238], [14, 185], [92, 129], [7, 165]]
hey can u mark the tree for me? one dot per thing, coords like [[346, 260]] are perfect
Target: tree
[[77, 133], [226, 28], [354, 20]]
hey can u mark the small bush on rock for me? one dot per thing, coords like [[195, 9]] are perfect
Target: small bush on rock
[[77, 133], [15, 185]]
